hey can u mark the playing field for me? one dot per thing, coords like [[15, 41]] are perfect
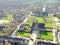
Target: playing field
[[40, 19], [45, 35], [23, 33]]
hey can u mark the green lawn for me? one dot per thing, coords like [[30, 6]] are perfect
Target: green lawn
[[8, 17], [23, 33], [40, 19], [45, 35], [49, 19], [48, 23], [32, 18], [29, 22]]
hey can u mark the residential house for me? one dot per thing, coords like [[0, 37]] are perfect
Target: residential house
[[44, 43]]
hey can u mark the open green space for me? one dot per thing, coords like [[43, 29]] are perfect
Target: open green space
[[48, 25], [23, 33], [48, 22], [29, 22], [40, 19], [6, 20], [32, 18], [45, 35], [51, 22], [8, 17]]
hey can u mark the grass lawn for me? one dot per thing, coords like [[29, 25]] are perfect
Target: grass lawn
[[23, 33], [48, 25], [40, 19], [29, 22], [49, 19], [8, 17], [46, 35]]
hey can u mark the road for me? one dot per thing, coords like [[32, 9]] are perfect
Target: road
[[54, 34]]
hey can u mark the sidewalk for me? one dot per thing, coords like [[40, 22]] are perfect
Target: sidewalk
[[34, 35]]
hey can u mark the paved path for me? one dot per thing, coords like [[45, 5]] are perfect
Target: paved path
[[54, 34], [34, 35]]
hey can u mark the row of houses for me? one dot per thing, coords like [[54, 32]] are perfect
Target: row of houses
[[45, 43]]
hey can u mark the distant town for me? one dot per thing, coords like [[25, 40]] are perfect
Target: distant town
[[30, 25]]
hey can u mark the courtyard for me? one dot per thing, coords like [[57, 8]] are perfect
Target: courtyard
[[40, 19], [45, 35], [23, 34]]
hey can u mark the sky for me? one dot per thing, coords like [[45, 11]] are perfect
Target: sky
[[4, 3]]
